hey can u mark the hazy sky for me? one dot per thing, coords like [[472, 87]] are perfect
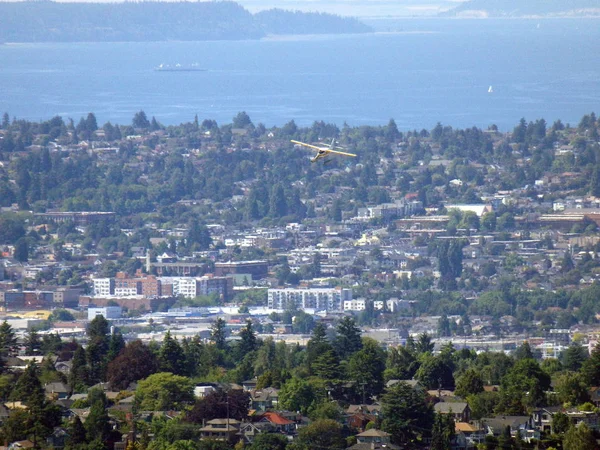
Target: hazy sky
[[362, 8], [359, 8]]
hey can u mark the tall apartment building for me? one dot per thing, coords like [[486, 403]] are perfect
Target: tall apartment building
[[329, 299], [191, 286], [104, 287]]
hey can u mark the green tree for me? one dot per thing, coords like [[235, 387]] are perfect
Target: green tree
[[347, 340], [571, 388], [469, 383], [171, 357], [591, 367], [296, 395], [248, 341], [140, 120], [574, 356], [233, 403], [365, 368], [407, 415], [163, 391], [241, 120], [21, 252], [218, 334], [579, 438], [8, 340], [97, 423], [320, 434], [78, 374], [442, 432], [33, 343], [97, 348], [269, 441], [401, 364]]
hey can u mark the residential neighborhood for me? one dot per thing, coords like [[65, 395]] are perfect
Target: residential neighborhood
[[208, 287]]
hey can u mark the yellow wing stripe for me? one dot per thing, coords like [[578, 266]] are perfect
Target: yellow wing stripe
[[322, 149], [308, 145], [340, 153]]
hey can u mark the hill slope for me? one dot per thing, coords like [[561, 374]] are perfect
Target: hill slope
[[156, 21], [520, 8]]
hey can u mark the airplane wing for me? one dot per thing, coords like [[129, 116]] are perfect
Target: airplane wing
[[310, 145], [340, 153]]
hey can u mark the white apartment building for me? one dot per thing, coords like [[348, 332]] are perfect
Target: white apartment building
[[358, 304], [184, 286], [104, 287], [329, 299]]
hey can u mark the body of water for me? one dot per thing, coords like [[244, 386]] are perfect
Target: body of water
[[418, 71]]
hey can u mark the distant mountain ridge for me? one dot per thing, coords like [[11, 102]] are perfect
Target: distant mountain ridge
[[529, 8], [47, 21]]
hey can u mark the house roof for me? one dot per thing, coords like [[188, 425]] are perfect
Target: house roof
[[447, 407], [373, 433], [500, 422], [276, 418], [465, 427]]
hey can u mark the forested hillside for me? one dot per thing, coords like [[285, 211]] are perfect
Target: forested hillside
[[156, 21], [516, 8]]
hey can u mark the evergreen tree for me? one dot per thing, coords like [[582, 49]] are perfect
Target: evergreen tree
[[22, 250], [248, 341], [218, 334], [406, 414], [140, 120], [76, 433], [574, 356], [33, 343], [277, 203], [97, 348], [97, 423], [348, 340], [78, 375], [442, 432], [171, 357], [8, 340]]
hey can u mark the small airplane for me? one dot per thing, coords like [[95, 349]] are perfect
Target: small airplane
[[323, 151]]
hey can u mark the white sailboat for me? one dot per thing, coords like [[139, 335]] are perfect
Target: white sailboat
[[490, 89]]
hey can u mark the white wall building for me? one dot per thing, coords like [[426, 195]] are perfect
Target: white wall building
[[103, 287], [355, 305], [109, 312], [329, 299]]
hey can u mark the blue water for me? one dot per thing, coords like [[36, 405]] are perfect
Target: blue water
[[419, 72]]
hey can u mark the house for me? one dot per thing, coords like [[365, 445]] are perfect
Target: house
[[249, 430], [359, 421], [249, 385], [590, 418], [460, 411], [57, 390], [595, 395], [372, 410], [373, 439], [466, 436], [523, 425], [58, 438], [278, 422], [220, 429], [542, 418], [21, 444], [264, 400]]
